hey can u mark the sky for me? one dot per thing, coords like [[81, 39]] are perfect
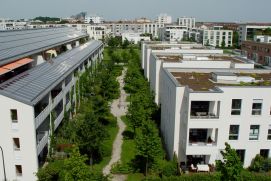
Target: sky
[[202, 10]]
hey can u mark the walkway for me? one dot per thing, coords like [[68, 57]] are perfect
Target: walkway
[[118, 109]]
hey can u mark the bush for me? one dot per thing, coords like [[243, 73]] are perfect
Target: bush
[[260, 164]]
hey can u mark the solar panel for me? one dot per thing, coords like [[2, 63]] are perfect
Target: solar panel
[[29, 86], [18, 44]]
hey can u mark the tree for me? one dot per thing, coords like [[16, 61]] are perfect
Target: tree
[[74, 168], [125, 43], [231, 166], [207, 43], [148, 144], [223, 44], [235, 39], [91, 135]]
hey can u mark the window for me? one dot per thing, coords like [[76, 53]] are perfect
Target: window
[[234, 132], [18, 170], [16, 144], [236, 106], [241, 154], [264, 153], [14, 116], [257, 106], [269, 132], [254, 132]]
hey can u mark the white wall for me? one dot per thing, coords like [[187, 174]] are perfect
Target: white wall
[[25, 132]]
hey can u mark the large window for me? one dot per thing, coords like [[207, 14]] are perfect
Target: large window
[[269, 132], [18, 169], [234, 132], [254, 132], [257, 106], [16, 144], [236, 106], [14, 116]]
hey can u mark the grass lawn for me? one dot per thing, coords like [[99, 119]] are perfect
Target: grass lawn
[[108, 145], [135, 177]]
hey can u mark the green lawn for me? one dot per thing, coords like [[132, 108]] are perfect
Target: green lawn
[[135, 177], [108, 145]]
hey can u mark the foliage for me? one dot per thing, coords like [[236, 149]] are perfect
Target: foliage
[[148, 144], [235, 39], [46, 19], [223, 44], [231, 166], [260, 164], [125, 43]]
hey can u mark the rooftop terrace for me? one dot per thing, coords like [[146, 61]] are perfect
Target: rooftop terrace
[[209, 81], [170, 58]]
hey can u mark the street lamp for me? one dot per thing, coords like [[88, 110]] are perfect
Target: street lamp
[[5, 178]]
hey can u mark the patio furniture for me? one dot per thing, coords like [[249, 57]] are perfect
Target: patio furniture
[[193, 168], [203, 168]]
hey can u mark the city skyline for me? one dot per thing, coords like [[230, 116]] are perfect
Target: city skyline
[[209, 10]]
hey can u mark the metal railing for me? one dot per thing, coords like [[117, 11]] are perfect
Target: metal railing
[[43, 141], [42, 116]]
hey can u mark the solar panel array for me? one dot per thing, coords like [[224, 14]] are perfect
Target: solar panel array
[[32, 85], [18, 44]]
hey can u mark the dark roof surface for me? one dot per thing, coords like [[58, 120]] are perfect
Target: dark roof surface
[[19, 44], [31, 86]]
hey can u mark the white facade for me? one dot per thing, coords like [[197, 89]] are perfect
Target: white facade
[[246, 31], [182, 131], [98, 32], [163, 19], [134, 37], [172, 33], [94, 19], [217, 37], [189, 22], [262, 38], [26, 129], [12, 24]]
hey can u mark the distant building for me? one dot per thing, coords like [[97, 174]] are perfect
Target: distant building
[[94, 19], [98, 32], [247, 31], [217, 36], [190, 23], [163, 19], [6, 24], [135, 37], [258, 51], [172, 33]]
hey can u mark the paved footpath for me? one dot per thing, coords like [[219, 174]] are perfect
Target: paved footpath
[[118, 109]]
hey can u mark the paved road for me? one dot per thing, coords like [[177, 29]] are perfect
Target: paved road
[[118, 109]]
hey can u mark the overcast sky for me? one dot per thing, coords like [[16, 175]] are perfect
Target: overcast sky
[[203, 10]]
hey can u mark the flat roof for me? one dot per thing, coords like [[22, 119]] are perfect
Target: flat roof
[[169, 58], [19, 44], [31, 86], [202, 81]]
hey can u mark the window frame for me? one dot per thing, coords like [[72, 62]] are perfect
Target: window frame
[[253, 134], [233, 135]]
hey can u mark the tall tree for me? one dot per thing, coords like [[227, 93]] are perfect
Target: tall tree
[[148, 144], [90, 135], [231, 166]]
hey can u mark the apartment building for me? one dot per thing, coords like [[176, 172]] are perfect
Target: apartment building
[[185, 48], [94, 19], [163, 19], [247, 31], [189, 22], [201, 109], [259, 52], [135, 37], [98, 32], [217, 36], [161, 60], [33, 99], [6, 24], [172, 33]]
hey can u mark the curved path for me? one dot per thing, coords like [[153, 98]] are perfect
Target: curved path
[[118, 109]]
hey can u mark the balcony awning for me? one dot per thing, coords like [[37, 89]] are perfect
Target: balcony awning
[[11, 66]]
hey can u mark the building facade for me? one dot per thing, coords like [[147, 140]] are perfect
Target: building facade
[[34, 98], [217, 37], [189, 22]]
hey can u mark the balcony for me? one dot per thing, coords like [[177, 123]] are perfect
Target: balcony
[[68, 105], [59, 119], [204, 109], [42, 139], [58, 98], [203, 137], [42, 116]]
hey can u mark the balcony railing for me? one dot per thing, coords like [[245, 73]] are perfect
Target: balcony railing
[[68, 87], [59, 119], [68, 106], [202, 144], [42, 116], [57, 99], [204, 115], [42, 140]]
